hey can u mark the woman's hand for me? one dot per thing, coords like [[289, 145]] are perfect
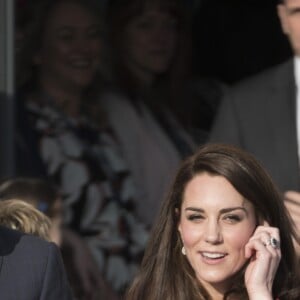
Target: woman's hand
[[263, 249]]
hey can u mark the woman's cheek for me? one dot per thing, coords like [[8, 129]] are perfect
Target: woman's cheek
[[191, 234]]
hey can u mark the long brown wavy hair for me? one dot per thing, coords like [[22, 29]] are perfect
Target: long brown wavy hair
[[166, 274]]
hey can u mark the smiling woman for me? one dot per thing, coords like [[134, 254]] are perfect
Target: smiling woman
[[62, 43], [70, 48], [78, 150], [222, 233], [215, 225]]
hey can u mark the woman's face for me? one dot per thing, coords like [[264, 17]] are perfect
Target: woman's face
[[70, 51], [215, 224], [150, 42]]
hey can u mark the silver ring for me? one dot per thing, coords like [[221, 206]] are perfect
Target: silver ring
[[273, 243]]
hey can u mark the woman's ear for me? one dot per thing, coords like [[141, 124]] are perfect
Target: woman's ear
[[177, 215]]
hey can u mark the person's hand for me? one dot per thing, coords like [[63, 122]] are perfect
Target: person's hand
[[263, 250], [292, 203]]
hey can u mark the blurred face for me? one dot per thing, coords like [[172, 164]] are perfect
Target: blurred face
[[150, 41], [289, 14], [69, 55], [215, 224]]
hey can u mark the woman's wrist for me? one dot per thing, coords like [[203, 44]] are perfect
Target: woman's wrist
[[260, 295]]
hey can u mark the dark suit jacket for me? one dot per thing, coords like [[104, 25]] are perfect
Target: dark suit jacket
[[259, 115], [30, 268]]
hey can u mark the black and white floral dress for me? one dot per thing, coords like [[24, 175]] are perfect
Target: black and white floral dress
[[98, 192]]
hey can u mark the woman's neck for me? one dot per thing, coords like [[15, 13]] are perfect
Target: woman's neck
[[66, 99], [216, 291], [143, 76]]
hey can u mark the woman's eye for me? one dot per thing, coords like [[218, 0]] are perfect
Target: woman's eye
[[195, 217], [232, 218]]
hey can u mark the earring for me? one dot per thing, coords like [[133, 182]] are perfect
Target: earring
[[183, 250]]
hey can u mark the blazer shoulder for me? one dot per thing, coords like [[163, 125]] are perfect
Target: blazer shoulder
[[275, 77], [12, 240], [9, 239], [31, 267]]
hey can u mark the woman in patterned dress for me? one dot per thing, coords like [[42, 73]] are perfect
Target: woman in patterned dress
[[79, 150]]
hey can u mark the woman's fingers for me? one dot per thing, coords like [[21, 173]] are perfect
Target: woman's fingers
[[264, 252]]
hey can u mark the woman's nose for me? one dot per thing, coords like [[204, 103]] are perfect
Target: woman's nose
[[213, 233], [82, 45]]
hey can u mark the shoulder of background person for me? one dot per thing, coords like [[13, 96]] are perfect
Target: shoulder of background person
[[8, 239], [114, 100], [28, 161], [12, 240], [273, 77], [111, 94], [23, 253], [249, 96]]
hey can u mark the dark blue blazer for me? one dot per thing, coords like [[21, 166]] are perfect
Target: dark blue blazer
[[30, 268]]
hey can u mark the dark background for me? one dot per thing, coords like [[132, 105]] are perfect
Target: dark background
[[236, 38]]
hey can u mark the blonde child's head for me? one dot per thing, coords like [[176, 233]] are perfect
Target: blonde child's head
[[39, 193], [20, 215]]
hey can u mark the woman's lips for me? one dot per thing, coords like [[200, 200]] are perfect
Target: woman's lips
[[213, 257]]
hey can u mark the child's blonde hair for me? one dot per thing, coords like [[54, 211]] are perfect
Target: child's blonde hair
[[20, 215]]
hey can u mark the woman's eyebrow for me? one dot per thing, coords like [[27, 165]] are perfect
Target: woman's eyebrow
[[195, 209], [222, 211], [230, 209]]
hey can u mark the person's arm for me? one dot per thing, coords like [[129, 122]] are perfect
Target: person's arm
[[55, 284]]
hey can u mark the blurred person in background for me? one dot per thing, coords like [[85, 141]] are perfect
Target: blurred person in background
[[148, 45], [261, 115], [46, 221], [60, 59], [30, 267]]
